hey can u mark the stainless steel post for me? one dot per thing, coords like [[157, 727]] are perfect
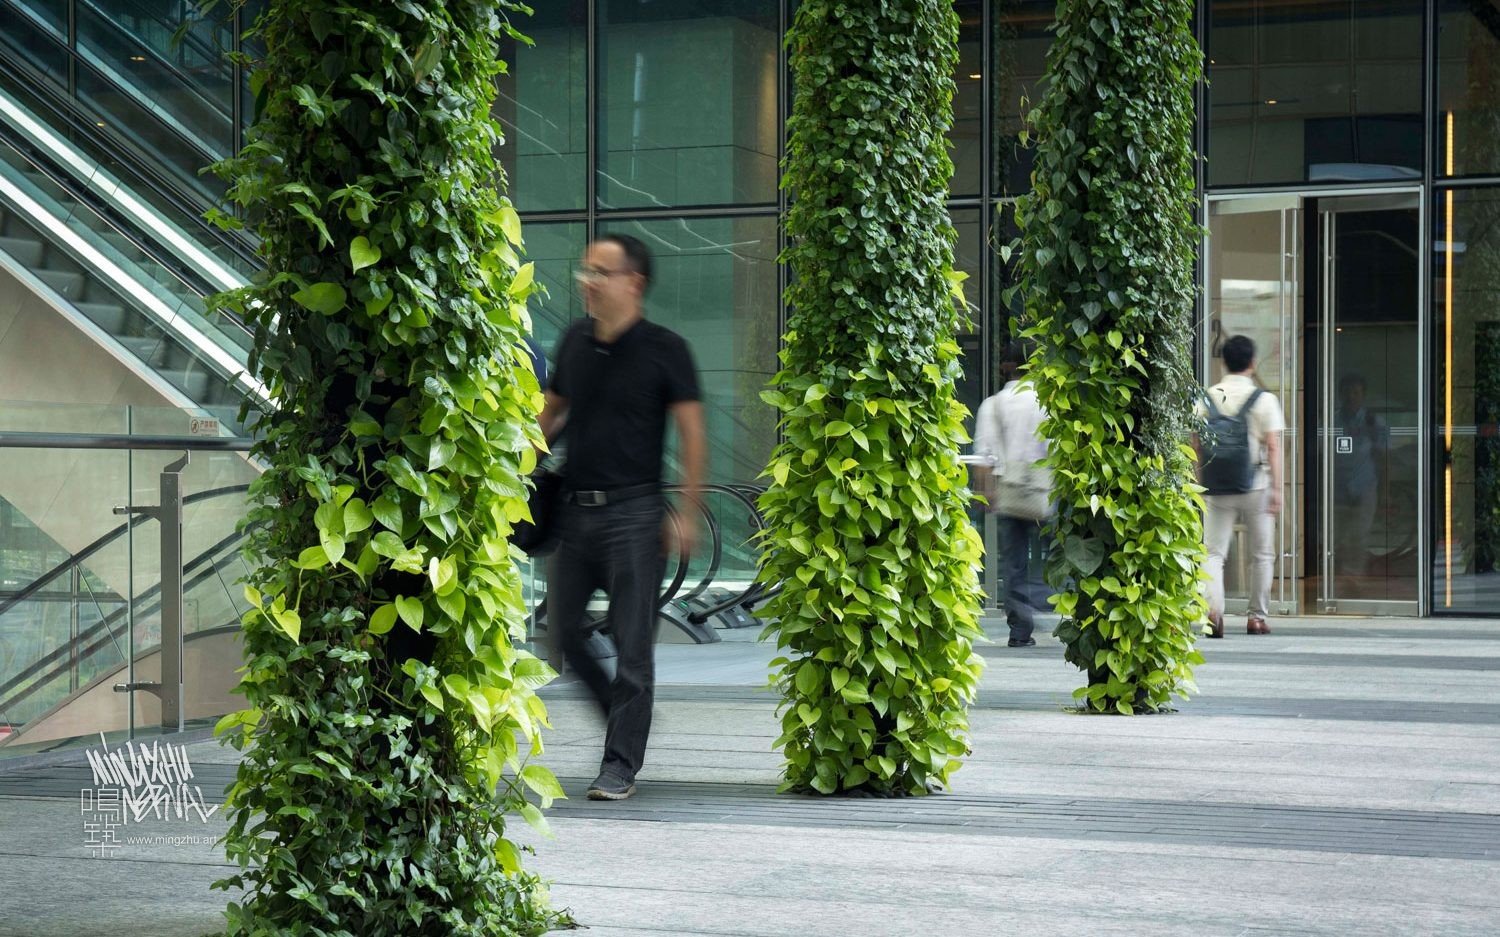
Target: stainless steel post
[[169, 513], [75, 583]]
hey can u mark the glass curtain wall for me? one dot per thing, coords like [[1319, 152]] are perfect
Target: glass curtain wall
[[1304, 94], [664, 119], [1314, 90], [1466, 308]]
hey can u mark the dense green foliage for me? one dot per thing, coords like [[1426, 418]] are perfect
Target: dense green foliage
[[865, 512], [385, 695], [1108, 240]]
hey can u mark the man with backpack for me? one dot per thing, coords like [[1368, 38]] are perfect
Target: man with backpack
[[1239, 466]]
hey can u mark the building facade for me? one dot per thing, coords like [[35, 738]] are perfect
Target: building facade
[[1352, 153]]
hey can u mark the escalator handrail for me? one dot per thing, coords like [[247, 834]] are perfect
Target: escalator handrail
[[194, 281], [77, 559], [180, 318]]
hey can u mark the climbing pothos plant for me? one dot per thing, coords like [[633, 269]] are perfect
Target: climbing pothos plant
[[386, 694], [1105, 265], [865, 512]]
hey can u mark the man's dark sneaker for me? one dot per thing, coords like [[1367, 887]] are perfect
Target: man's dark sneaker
[[1021, 642], [609, 787]]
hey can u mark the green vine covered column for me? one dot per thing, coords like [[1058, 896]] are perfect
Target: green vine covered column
[[386, 696], [865, 512], [1106, 266]]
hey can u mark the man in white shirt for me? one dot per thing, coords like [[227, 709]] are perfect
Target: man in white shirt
[[1006, 430], [1257, 507]]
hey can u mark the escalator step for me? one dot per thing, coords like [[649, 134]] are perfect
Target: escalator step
[[110, 317], [195, 385], [143, 347], [67, 283], [26, 252]]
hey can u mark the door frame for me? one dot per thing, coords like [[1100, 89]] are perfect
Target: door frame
[[1297, 199]]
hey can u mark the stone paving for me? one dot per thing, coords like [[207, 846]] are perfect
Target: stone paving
[[1339, 777]]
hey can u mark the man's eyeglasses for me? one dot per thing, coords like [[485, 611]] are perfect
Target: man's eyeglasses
[[593, 275]]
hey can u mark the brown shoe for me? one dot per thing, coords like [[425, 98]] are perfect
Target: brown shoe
[[1257, 626], [1215, 625]]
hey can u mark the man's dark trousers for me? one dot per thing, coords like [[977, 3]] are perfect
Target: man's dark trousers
[[1025, 592], [617, 548]]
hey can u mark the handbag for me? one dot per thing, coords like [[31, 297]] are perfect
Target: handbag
[[1021, 490], [539, 535]]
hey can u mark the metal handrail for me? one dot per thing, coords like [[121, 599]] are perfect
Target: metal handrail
[[115, 441]]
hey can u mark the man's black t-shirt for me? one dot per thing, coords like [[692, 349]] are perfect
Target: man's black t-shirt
[[618, 394]]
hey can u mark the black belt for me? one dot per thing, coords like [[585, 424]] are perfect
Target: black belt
[[599, 499]]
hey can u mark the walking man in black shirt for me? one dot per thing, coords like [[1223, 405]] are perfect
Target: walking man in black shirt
[[615, 379]]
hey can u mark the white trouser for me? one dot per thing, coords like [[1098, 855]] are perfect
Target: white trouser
[[1224, 511]]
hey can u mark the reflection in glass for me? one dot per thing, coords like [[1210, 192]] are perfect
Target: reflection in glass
[[555, 249], [1466, 401], [968, 106], [543, 107], [1312, 90], [57, 503], [1019, 60], [1370, 382], [185, 76], [715, 285], [970, 339], [687, 102], [1253, 290], [1468, 79], [1363, 449]]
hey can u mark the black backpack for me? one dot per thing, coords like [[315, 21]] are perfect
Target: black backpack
[[1227, 467]]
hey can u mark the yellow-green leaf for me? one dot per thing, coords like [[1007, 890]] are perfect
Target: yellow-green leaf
[[362, 253], [384, 619], [289, 622], [544, 782], [311, 558], [326, 298], [510, 224], [357, 516], [410, 610], [523, 279], [444, 574]]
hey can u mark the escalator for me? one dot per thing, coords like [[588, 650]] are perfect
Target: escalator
[[167, 105], [101, 194]]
